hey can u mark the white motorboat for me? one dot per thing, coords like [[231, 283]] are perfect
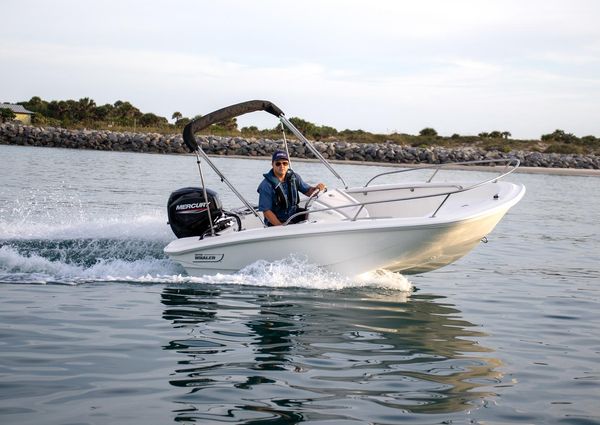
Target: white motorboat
[[411, 227]]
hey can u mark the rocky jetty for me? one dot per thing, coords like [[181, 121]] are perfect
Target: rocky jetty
[[17, 134]]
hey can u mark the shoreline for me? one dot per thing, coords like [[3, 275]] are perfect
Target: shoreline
[[582, 172], [573, 172], [337, 152]]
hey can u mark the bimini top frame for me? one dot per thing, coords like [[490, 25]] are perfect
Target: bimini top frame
[[234, 111], [262, 105]]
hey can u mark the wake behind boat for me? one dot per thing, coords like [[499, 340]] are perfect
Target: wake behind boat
[[411, 227]]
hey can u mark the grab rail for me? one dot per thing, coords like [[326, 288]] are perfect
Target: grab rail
[[514, 162], [446, 195]]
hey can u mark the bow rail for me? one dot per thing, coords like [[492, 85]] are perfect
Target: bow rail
[[511, 164]]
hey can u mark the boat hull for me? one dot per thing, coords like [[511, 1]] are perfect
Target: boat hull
[[406, 245], [408, 227]]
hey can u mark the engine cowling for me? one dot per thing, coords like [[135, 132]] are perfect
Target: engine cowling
[[188, 211]]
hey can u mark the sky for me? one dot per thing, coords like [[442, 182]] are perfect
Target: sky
[[459, 66]]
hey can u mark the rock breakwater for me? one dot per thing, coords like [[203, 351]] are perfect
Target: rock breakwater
[[17, 134]]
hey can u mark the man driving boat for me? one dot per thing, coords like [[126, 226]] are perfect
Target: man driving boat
[[278, 192]]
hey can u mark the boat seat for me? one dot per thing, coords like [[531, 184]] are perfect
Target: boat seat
[[337, 198]]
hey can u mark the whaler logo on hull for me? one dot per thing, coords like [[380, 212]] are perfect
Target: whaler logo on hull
[[192, 208], [208, 258]]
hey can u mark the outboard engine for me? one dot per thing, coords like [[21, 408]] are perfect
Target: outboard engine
[[188, 211]]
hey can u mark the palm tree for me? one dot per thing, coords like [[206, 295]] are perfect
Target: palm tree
[[86, 109], [176, 116]]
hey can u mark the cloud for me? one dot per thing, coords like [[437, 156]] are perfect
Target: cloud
[[461, 66]]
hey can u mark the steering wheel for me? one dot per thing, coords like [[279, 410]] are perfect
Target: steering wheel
[[313, 196]]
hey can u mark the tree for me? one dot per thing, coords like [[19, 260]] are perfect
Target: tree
[[506, 134], [176, 116], [125, 112], [327, 131], [152, 120], [559, 136], [309, 129], [55, 110], [428, 132], [305, 127], [103, 112], [65, 111], [227, 125], [249, 130], [85, 109], [590, 140], [36, 104], [7, 114], [182, 122]]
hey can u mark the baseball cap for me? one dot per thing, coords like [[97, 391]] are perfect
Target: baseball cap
[[279, 155]]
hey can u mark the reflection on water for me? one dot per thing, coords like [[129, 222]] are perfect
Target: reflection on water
[[261, 355]]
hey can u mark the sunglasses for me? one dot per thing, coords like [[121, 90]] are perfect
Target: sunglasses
[[280, 163]]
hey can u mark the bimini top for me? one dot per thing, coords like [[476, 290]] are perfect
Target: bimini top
[[225, 114]]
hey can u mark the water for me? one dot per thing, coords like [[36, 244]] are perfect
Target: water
[[98, 327]]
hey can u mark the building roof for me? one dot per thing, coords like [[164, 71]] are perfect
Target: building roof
[[17, 109]]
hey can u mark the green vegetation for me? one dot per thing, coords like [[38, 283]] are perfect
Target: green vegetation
[[428, 132], [123, 116], [6, 114], [85, 112]]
